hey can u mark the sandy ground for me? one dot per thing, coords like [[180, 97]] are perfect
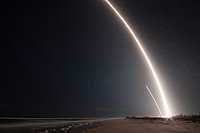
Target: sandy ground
[[47, 125], [122, 125], [145, 126]]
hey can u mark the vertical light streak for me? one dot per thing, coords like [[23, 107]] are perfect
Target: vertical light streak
[[167, 112], [154, 101]]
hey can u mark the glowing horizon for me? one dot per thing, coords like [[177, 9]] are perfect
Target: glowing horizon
[[163, 97]]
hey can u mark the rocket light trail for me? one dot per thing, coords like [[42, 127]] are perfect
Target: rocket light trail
[[154, 100], [167, 111]]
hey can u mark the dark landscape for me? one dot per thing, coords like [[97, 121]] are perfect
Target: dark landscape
[[100, 66], [44, 125], [176, 124]]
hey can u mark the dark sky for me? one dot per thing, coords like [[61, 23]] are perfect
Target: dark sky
[[74, 58]]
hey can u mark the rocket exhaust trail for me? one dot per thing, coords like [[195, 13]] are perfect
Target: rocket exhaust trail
[[167, 112], [154, 101]]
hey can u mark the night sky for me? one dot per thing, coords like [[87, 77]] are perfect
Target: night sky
[[74, 58]]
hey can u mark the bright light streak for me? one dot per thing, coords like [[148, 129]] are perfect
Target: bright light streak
[[167, 112], [154, 101]]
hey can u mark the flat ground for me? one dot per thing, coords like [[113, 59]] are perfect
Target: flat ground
[[141, 125], [145, 126]]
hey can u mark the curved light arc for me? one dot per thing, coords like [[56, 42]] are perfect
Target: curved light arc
[[163, 97]]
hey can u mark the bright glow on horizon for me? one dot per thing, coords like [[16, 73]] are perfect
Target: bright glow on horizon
[[167, 110]]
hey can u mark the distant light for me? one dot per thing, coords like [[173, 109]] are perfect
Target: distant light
[[163, 97]]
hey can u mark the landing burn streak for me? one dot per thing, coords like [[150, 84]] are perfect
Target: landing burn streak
[[163, 97], [154, 101]]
